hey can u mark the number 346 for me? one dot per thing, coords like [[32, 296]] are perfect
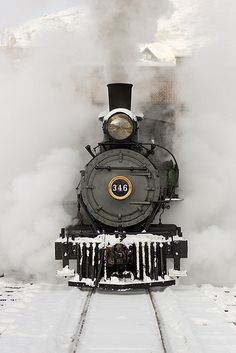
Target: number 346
[[119, 187]]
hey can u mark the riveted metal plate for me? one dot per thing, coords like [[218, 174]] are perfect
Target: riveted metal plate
[[132, 167]]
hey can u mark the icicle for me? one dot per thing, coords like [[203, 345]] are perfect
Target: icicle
[[93, 253], [81, 261], [137, 261], [144, 264], [149, 258], [155, 261], [105, 265], [161, 256]]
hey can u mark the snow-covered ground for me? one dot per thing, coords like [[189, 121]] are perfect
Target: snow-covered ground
[[121, 322], [199, 319], [43, 317], [37, 317]]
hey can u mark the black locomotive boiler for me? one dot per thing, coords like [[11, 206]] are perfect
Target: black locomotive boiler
[[116, 242]]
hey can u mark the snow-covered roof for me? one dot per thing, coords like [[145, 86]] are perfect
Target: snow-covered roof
[[157, 53]]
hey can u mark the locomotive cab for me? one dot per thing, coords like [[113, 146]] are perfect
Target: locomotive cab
[[115, 240]]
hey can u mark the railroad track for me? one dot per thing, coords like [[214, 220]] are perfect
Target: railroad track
[[117, 305], [81, 323], [158, 320]]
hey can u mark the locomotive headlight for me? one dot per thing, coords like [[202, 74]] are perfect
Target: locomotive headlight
[[120, 126]]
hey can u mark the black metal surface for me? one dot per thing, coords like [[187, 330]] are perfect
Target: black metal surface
[[108, 167], [128, 286], [119, 95]]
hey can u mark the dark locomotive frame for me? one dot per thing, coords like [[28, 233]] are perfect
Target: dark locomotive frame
[[115, 241]]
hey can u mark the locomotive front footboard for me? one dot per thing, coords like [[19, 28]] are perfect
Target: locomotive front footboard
[[121, 261]]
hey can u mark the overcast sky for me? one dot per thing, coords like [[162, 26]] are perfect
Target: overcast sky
[[15, 12]]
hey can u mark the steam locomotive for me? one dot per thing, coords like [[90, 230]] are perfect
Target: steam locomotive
[[126, 185]]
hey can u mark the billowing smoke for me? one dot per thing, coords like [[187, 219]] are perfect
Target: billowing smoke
[[32, 213], [206, 147], [50, 96], [47, 116], [44, 105], [121, 27]]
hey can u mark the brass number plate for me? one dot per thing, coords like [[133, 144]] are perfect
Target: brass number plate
[[120, 187]]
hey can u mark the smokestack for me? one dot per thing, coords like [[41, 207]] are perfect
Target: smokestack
[[119, 95]]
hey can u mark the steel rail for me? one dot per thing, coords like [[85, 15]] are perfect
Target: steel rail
[[81, 323], [158, 320]]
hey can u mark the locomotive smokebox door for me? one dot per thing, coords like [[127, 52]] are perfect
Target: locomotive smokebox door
[[120, 187]]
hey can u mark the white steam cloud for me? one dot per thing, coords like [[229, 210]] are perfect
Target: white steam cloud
[[32, 213], [121, 27], [50, 98], [46, 118], [206, 147]]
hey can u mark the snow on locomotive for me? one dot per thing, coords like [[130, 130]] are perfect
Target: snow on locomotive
[[127, 183]]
